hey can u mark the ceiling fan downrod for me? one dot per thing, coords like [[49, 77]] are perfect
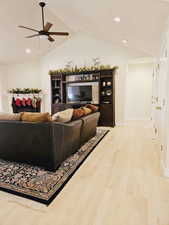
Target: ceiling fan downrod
[[43, 4]]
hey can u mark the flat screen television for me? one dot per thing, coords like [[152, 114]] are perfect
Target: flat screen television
[[77, 94]]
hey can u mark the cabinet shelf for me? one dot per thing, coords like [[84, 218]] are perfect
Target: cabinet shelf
[[55, 88], [79, 81]]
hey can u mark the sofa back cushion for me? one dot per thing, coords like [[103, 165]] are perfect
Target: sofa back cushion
[[92, 107], [63, 116], [35, 117], [77, 113], [10, 116], [86, 111]]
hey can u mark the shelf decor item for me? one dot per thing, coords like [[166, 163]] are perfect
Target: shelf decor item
[[75, 69], [96, 62], [26, 99], [25, 91]]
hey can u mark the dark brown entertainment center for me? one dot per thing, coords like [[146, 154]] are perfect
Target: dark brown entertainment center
[[103, 80]]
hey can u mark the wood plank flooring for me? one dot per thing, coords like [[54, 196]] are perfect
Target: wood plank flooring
[[121, 183]]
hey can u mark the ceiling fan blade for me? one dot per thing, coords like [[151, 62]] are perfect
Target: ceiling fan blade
[[59, 33], [28, 28], [35, 35], [51, 39], [47, 27]]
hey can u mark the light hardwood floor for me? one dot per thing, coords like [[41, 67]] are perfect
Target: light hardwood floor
[[121, 183]]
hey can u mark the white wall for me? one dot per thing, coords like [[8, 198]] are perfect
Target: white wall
[[138, 92], [81, 49], [3, 87], [25, 75]]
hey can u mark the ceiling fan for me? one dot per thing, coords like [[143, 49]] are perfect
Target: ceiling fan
[[45, 30]]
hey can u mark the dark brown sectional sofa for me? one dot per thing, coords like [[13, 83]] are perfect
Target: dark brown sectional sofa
[[45, 144]]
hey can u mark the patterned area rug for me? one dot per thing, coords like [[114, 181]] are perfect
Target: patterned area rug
[[41, 185]]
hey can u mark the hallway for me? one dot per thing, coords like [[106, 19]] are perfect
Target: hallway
[[120, 183]]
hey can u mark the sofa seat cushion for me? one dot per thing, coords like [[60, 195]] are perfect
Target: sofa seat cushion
[[35, 117], [10, 116], [63, 116]]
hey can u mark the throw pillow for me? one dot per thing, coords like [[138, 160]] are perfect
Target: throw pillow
[[63, 116], [86, 110], [10, 116], [35, 117], [77, 113], [92, 107]]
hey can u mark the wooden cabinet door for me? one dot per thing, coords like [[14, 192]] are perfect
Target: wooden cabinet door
[[106, 115]]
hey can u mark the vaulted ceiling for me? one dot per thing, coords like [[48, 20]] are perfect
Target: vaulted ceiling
[[142, 24], [142, 21]]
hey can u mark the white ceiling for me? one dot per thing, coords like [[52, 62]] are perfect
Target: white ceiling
[[142, 24], [142, 21]]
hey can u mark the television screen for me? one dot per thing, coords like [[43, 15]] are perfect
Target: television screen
[[79, 93]]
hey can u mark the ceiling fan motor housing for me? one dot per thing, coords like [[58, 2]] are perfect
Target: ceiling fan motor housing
[[42, 32]]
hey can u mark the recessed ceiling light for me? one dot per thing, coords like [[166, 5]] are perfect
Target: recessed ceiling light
[[117, 19], [28, 51], [124, 41]]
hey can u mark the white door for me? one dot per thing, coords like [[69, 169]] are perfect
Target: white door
[[155, 98], [160, 104]]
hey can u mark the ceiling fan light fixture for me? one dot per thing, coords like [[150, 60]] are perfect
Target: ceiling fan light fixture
[[43, 37]]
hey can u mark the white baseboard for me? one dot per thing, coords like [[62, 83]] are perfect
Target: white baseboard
[[119, 124], [137, 119], [124, 123], [165, 170]]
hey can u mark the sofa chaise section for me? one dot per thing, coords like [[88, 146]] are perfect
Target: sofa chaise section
[[39, 144], [45, 144]]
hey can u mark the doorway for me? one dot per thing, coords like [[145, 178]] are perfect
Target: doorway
[[138, 91]]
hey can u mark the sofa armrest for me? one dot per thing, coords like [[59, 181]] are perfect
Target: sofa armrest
[[66, 138], [89, 124]]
